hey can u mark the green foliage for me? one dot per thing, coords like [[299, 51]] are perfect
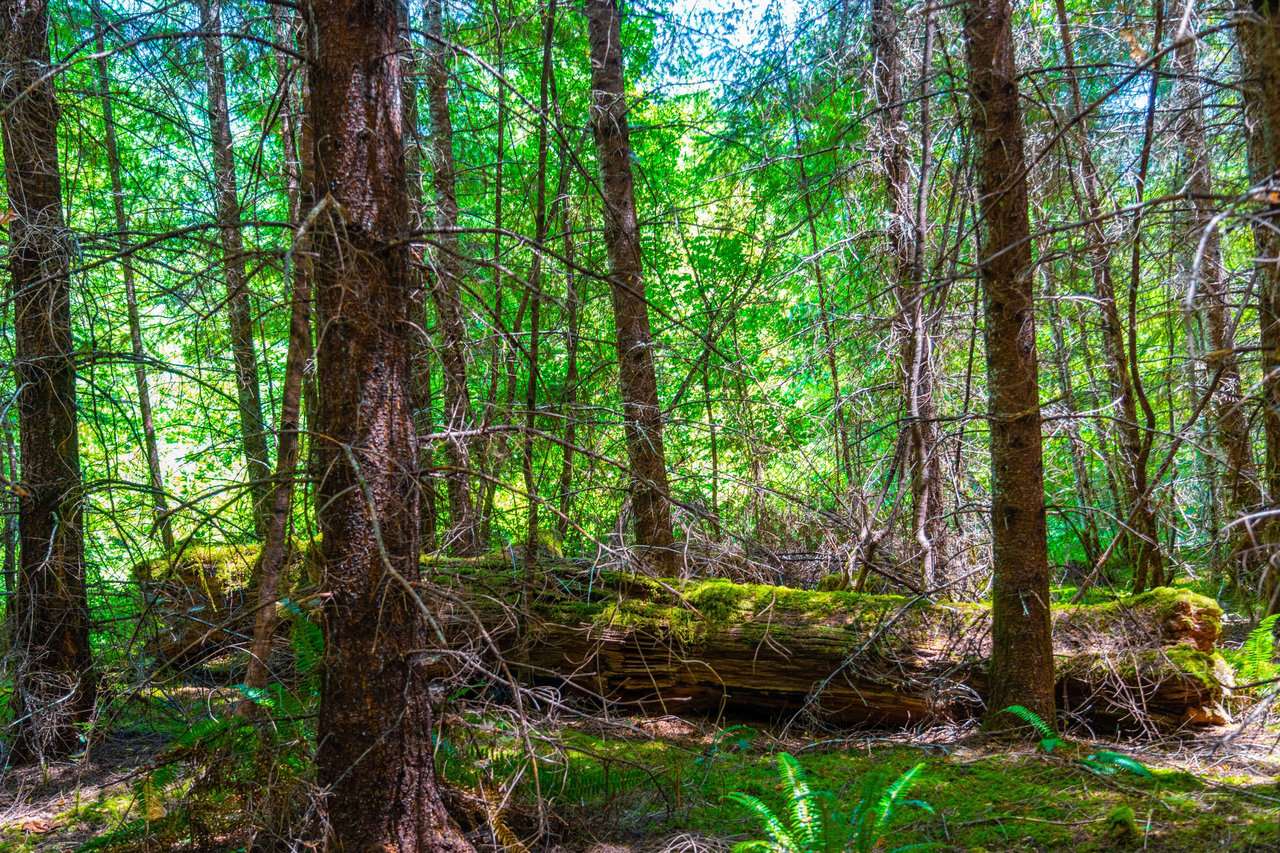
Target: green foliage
[[1106, 763], [1255, 660], [812, 827], [1049, 740]]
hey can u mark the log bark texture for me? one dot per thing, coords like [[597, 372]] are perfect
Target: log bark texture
[[842, 657]]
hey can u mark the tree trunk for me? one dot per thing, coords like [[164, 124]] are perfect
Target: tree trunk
[[569, 405], [1021, 670], [155, 474], [422, 397], [641, 414], [271, 560], [1143, 542], [54, 686], [374, 756], [239, 311], [1259, 39], [464, 533], [907, 243], [535, 283]]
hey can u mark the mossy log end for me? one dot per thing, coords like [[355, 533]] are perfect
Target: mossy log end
[[710, 646]]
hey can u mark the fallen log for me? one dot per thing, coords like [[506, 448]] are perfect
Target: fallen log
[[712, 646]]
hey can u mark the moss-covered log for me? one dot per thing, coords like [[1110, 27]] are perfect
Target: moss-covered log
[[711, 645], [846, 658]]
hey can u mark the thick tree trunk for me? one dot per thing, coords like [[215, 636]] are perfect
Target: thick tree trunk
[[1143, 542], [907, 243], [155, 475], [1259, 40], [641, 414], [464, 534], [54, 685], [1022, 650], [374, 754], [235, 278]]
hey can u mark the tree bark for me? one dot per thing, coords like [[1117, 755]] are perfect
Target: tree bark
[[1021, 670], [54, 684], [464, 534], [374, 757], [1259, 41], [907, 244], [235, 277], [641, 413]]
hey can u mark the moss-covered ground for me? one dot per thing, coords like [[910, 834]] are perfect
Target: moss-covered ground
[[666, 779]]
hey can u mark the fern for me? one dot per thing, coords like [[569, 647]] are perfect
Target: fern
[[1107, 763], [1254, 661], [812, 828], [1049, 739]]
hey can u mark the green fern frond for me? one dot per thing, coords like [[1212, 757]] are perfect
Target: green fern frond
[[1113, 762], [134, 830], [1031, 718], [804, 819], [757, 847], [781, 838], [1254, 661]]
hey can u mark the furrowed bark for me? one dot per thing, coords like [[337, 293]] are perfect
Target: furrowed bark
[[1021, 669], [239, 311], [1259, 41], [641, 413], [374, 754], [54, 684]]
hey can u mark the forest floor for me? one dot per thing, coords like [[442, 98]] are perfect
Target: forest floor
[[659, 785]]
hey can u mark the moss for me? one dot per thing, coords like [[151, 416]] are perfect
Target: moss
[[1122, 826]]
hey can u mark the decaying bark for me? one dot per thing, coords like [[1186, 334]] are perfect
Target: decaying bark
[[235, 278], [641, 413], [843, 657], [1022, 654], [374, 753], [54, 684]]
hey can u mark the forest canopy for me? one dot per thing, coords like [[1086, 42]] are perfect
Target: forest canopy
[[379, 369]]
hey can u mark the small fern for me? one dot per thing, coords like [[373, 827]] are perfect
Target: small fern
[[813, 828], [1107, 763], [1049, 740], [1255, 660]]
